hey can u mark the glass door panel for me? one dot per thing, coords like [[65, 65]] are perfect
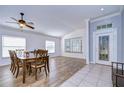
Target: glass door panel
[[104, 48]]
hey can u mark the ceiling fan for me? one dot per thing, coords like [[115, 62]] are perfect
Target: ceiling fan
[[22, 23]]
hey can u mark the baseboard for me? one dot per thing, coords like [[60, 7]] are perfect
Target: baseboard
[[4, 65]]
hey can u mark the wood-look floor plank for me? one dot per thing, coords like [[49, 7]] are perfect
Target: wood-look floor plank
[[61, 69]]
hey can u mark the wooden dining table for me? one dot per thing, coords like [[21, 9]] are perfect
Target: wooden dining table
[[30, 59]]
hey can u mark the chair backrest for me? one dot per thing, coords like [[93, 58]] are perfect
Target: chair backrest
[[43, 52], [40, 54], [16, 60], [35, 52], [11, 56], [46, 57], [19, 52]]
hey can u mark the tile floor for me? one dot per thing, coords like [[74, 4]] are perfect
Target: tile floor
[[92, 75]]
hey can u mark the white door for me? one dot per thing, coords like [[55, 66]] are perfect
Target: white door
[[105, 48]]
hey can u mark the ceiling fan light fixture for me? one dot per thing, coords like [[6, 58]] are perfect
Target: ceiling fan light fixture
[[21, 25]]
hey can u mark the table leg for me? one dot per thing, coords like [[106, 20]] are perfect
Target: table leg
[[24, 68]]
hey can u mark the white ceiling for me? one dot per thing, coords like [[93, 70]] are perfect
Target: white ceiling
[[55, 20]]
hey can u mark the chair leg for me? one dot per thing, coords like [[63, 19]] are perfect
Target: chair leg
[[35, 74], [11, 67], [30, 70], [40, 69], [45, 71], [14, 71], [27, 67], [17, 72]]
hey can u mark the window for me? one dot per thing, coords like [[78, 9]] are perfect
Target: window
[[105, 26], [50, 46], [109, 25], [73, 45], [12, 43]]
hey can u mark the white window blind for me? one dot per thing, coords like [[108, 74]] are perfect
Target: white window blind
[[50, 46], [12, 43]]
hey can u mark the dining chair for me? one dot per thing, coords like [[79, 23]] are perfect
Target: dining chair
[[28, 54], [39, 62], [46, 58], [17, 62], [12, 66]]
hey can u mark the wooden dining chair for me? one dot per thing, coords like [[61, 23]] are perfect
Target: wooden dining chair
[[39, 62], [46, 59], [17, 63], [12, 66], [28, 54]]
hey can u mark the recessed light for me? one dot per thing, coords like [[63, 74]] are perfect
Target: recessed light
[[102, 9]]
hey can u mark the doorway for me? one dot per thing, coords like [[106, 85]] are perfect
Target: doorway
[[105, 46]]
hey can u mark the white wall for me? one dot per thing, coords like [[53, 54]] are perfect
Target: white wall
[[33, 41], [122, 35], [77, 33]]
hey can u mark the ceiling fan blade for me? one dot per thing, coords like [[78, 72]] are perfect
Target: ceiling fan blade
[[13, 18], [29, 26], [12, 22], [30, 23]]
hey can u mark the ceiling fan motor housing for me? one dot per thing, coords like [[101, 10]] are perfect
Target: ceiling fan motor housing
[[21, 13]]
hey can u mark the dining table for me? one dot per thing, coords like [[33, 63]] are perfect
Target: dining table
[[29, 59]]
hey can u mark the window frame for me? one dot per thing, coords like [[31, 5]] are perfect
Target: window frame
[[12, 37], [54, 46]]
